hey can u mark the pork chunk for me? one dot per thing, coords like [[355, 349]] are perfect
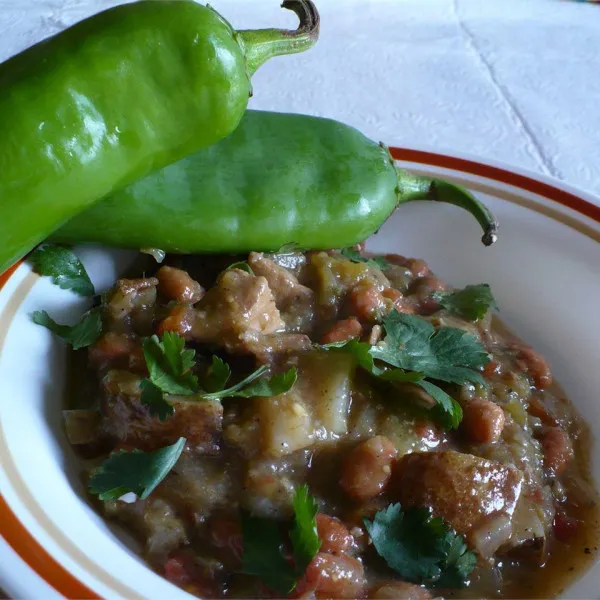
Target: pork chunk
[[127, 421], [240, 304], [294, 300]]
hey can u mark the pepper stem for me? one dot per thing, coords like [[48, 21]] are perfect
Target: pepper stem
[[413, 187], [260, 45]]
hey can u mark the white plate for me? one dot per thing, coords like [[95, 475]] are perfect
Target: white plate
[[544, 271]]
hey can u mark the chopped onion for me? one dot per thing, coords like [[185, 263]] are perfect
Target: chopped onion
[[128, 498], [156, 253], [81, 425], [495, 532]]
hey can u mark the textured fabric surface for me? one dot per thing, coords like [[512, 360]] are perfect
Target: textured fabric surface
[[516, 80]]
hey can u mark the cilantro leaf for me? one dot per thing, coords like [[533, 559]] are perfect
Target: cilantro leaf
[[80, 335], [405, 542], [357, 257], [360, 350], [447, 354], [304, 536], [264, 543], [459, 562], [137, 472], [420, 548], [263, 554], [243, 265], [170, 364], [447, 410], [217, 376], [289, 248], [472, 302], [252, 386], [153, 398], [62, 265]]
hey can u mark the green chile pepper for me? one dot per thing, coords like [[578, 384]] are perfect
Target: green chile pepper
[[278, 178], [116, 96]]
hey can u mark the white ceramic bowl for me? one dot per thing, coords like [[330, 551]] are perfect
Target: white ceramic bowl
[[545, 273]]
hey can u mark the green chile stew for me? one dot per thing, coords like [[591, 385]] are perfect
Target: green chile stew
[[327, 424]]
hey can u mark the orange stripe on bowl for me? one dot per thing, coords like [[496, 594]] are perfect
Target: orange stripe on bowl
[[6, 275], [25, 545], [38, 559], [522, 181]]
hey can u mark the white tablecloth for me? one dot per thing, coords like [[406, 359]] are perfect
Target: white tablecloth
[[514, 80]]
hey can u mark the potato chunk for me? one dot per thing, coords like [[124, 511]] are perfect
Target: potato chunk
[[469, 492]]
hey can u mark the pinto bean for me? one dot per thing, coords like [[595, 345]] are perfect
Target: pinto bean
[[335, 537], [367, 469], [398, 301], [182, 570], [399, 590], [538, 409], [226, 534], [396, 259], [536, 365], [333, 576], [565, 527], [366, 302], [423, 289], [557, 448], [176, 284], [116, 350], [343, 330], [483, 421], [418, 267], [492, 368], [180, 320]]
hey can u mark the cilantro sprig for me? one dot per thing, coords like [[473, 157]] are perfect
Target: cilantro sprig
[[304, 536], [447, 354], [137, 472], [217, 375], [255, 386], [243, 265], [169, 364], [413, 350], [356, 257], [82, 334], [421, 548], [265, 542], [472, 302], [62, 265], [170, 371]]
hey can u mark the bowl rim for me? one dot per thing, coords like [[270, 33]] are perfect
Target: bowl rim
[[37, 558]]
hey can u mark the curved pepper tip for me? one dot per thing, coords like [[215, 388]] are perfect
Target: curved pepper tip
[[416, 187], [259, 45], [490, 236], [444, 191]]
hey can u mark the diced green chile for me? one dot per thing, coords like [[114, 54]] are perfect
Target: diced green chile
[[116, 96], [278, 178]]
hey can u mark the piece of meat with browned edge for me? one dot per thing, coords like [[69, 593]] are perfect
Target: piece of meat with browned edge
[[130, 296], [238, 314], [294, 300], [128, 422], [477, 497], [176, 284]]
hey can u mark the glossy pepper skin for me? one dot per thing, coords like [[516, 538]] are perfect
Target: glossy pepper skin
[[278, 178], [117, 96]]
